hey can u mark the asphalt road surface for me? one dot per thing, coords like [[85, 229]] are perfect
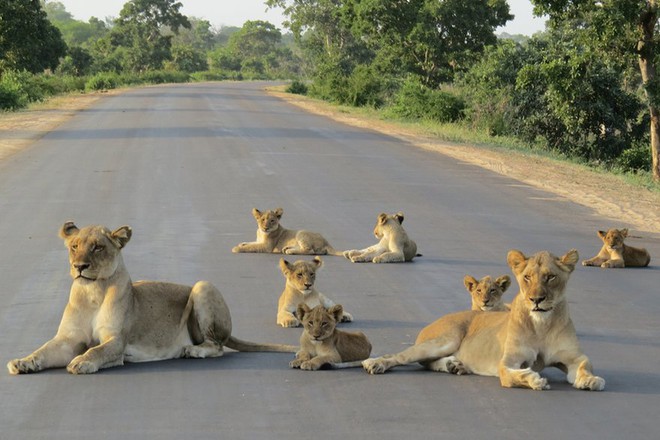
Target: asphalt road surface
[[184, 165]]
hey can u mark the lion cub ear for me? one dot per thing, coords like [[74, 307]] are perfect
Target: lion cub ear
[[624, 232], [256, 213], [68, 229], [302, 310], [382, 218], [504, 282], [569, 260], [470, 282], [516, 260], [602, 234], [399, 217], [278, 212], [285, 266], [318, 262], [337, 311], [121, 236]]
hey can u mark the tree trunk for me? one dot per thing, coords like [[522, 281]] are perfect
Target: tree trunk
[[645, 51]]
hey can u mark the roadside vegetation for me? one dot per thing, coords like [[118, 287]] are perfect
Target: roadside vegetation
[[584, 90]]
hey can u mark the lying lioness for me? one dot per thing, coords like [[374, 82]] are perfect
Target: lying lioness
[[516, 345], [109, 320], [615, 253]]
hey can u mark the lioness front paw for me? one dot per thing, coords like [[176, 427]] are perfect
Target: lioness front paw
[[238, 248], [592, 383], [22, 366], [359, 259], [289, 322], [310, 365], [454, 366], [374, 366], [80, 366]]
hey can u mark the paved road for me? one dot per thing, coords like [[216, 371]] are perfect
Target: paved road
[[184, 166]]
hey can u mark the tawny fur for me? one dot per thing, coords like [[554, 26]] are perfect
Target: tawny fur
[[616, 254], [299, 288], [274, 238], [514, 346], [321, 343], [394, 245], [110, 320], [487, 293]]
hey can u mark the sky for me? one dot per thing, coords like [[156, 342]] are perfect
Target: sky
[[237, 12]]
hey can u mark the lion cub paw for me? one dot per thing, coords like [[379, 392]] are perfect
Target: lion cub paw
[[592, 383], [289, 322], [612, 264]]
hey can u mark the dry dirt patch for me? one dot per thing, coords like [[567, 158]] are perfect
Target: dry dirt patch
[[608, 195]]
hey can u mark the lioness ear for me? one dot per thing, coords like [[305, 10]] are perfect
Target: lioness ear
[[602, 234], [504, 282], [121, 236], [382, 218], [624, 232], [569, 260], [469, 282], [285, 266], [318, 262], [256, 213], [337, 311], [278, 212], [399, 217], [516, 260], [68, 229], [302, 310]]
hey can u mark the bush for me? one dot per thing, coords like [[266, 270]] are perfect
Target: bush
[[635, 158], [297, 87], [164, 77], [102, 81], [15, 92], [416, 101], [365, 87]]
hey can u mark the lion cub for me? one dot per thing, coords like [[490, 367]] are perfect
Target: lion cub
[[321, 343], [272, 237], [300, 277], [615, 253], [487, 293], [394, 245]]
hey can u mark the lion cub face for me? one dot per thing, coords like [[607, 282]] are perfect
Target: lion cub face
[[386, 221], [93, 250], [319, 322], [268, 221], [542, 278], [487, 293], [301, 274], [613, 238]]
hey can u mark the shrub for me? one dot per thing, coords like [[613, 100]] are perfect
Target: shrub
[[102, 81], [14, 91], [297, 87], [635, 158], [416, 101]]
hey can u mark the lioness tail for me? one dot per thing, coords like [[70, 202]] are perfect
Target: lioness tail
[[240, 345]]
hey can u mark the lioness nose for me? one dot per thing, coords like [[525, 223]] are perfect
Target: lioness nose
[[538, 301], [81, 267]]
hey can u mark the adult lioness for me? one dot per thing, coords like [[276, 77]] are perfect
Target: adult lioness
[[321, 343], [299, 288], [109, 320], [487, 293], [515, 345], [615, 253], [394, 245], [272, 237]]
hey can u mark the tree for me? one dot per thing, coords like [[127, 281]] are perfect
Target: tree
[[627, 29], [27, 39], [139, 30]]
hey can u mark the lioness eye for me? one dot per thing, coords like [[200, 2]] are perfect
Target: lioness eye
[[299, 275], [527, 278], [74, 247], [551, 277], [98, 248]]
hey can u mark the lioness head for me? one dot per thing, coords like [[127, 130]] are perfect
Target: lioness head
[[613, 238], [487, 293], [542, 278], [319, 322], [384, 220], [301, 274], [93, 250], [268, 221]]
